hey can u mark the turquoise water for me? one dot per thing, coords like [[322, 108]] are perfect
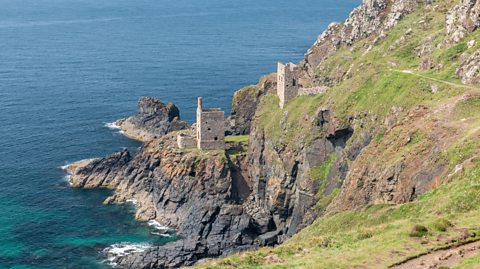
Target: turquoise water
[[69, 67]]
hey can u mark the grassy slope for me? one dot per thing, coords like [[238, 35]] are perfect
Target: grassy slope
[[378, 236]]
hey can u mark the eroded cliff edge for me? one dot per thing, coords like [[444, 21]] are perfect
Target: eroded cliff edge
[[378, 136]]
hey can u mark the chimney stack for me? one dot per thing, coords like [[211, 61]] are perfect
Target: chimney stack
[[200, 103]]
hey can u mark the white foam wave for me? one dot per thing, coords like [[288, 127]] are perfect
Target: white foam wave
[[133, 201], [68, 179], [112, 125], [65, 167], [160, 229], [161, 234], [123, 249]]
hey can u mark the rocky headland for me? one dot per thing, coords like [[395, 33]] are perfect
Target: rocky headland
[[386, 132], [152, 120]]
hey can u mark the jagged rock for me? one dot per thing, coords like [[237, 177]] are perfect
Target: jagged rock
[[469, 70], [191, 192], [371, 20], [96, 173], [373, 180], [153, 120], [219, 207], [463, 18]]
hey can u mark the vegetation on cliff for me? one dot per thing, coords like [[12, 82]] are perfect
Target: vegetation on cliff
[[403, 85]]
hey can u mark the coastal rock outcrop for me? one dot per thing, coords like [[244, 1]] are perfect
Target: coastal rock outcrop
[[292, 173], [461, 19], [370, 20], [245, 102], [152, 120], [469, 70], [219, 205], [190, 191]]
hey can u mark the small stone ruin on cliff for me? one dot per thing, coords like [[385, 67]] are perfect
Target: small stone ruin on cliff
[[288, 86], [209, 130]]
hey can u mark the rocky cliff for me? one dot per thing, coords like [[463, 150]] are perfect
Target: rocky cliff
[[400, 119], [396, 123], [245, 102], [152, 120], [196, 193]]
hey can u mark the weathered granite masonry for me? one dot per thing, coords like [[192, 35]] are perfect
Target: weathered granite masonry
[[210, 128], [287, 82], [185, 140]]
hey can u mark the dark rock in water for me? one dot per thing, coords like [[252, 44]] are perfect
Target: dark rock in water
[[220, 206], [153, 120], [97, 172], [190, 191]]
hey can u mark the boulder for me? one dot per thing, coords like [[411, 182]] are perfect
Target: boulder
[[153, 120]]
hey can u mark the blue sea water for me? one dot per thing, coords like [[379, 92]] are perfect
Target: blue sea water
[[68, 67]]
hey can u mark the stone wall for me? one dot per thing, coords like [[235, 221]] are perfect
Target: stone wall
[[312, 91], [186, 141]]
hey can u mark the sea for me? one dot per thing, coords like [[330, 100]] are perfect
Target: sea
[[68, 68]]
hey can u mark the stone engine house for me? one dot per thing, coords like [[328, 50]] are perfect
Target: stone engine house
[[288, 87], [210, 128], [287, 82]]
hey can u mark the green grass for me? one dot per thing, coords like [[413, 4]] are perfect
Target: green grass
[[442, 225], [237, 139], [289, 126], [379, 235], [418, 231], [241, 142], [462, 150], [322, 171], [469, 263], [468, 108]]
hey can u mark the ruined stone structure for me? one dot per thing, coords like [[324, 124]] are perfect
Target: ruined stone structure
[[288, 86], [185, 140], [210, 128], [312, 91], [287, 82], [208, 132]]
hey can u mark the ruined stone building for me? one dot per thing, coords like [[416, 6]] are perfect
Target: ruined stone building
[[287, 82], [209, 130], [186, 140], [288, 86]]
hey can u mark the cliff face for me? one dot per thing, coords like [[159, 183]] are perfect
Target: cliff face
[[245, 102], [371, 20], [382, 134], [153, 120], [189, 191], [461, 19], [392, 144]]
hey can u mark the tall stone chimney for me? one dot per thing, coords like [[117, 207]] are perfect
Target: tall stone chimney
[[200, 104]]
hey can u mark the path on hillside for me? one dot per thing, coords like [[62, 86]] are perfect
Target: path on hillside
[[442, 258], [453, 84]]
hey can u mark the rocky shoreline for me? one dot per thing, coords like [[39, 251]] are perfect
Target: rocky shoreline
[[153, 120], [218, 204], [221, 204]]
